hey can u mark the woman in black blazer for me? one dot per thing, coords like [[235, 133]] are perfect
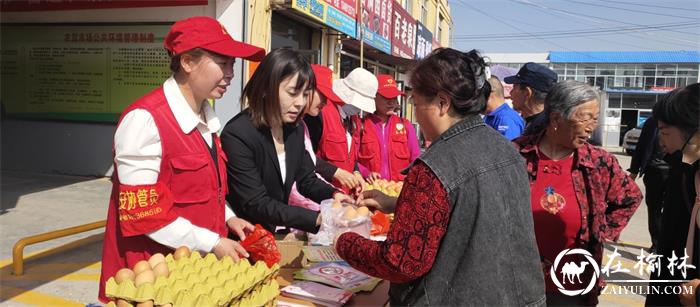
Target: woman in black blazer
[[265, 147]]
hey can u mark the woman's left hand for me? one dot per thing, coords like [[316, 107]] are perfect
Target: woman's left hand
[[691, 151], [239, 227], [688, 299]]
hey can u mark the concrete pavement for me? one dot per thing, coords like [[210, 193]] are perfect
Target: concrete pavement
[[65, 271]]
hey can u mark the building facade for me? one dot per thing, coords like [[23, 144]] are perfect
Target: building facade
[[633, 81], [69, 68]]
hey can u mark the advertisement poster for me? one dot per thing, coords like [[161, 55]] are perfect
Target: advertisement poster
[[80, 72], [376, 17], [403, 34]]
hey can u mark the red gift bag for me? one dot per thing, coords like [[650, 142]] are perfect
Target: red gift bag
[[261, 245]]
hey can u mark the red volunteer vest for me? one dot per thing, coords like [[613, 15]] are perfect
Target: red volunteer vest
[[333, 146], [187, 170], [399, 154]]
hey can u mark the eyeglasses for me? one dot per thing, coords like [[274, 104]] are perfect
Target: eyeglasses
[[586, 122]]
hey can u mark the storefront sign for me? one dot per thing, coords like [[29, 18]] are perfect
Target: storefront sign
[[346, 7], [56, 5], [424, 41], [80, 72], [376, 17], [403, 34], [329, 14]]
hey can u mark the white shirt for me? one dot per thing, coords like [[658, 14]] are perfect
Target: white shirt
[[282, 159], [348, 136], [138, 156]]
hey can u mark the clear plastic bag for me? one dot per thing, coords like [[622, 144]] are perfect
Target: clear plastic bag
[[335, 221]]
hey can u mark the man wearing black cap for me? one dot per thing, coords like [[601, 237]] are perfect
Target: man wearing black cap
[[530, 87]]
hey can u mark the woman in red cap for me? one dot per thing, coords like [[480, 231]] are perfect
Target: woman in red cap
[[169, 178], [389, 143]]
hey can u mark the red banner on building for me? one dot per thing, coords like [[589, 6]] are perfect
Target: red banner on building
[[349, 7], [403, 34], [59, 5]]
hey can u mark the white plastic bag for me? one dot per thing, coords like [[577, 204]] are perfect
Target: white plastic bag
[[334, 221]]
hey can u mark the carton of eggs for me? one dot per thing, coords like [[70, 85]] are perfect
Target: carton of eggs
[[186, 279]]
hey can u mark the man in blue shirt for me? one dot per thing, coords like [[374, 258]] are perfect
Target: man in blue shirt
[[500, 115]]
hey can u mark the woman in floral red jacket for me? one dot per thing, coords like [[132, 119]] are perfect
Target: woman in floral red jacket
[[580, 196]]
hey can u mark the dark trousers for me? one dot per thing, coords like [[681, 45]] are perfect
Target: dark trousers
[[655, 184]]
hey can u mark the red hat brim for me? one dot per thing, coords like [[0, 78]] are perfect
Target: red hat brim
[[236, 49], [390, 92], [328, 92]]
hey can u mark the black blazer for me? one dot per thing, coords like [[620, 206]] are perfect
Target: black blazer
[[256, 192]]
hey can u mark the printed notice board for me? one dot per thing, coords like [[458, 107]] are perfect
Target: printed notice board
[[79, 72]]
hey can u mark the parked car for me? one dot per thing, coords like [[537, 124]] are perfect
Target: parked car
[[629, 142]]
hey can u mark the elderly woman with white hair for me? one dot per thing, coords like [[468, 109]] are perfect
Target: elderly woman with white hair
[[580, 196]]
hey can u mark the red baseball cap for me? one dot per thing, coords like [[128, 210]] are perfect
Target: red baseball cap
[[207, 33], [387, 87], [324, 82]]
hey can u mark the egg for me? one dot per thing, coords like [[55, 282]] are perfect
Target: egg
[[156, 259], [144, 278], [123, 303], [182, 251], [161, 269], [350, 213], [336, 205], [362, 211], [124, 274], [145, 304], [141, 266]]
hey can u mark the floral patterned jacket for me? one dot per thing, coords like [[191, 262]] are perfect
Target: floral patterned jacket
[[606, 195]]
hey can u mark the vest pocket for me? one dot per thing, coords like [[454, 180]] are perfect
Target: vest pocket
[[336, 148], [191, 180], [399, 146], [366, 151]]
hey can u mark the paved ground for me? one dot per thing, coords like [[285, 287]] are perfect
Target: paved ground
[[66, 271]]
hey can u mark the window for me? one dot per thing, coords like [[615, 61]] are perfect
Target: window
[[614, 100], [605, 69], [688, 70], [560, 69], [438, 28], [289, 33], [638, 101], [649, 70], [408, 5], [424, 12], [666, 70], [625, 70]]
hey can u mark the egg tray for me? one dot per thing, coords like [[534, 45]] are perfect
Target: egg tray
[[197, 281]]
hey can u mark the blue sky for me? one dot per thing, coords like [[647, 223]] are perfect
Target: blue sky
[[575, 25]]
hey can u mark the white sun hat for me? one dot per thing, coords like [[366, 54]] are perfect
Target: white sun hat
[[358, 89]]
